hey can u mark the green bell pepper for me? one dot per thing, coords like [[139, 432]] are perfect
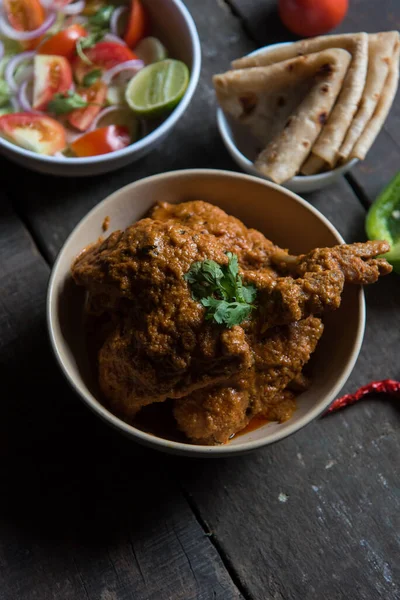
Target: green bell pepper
[[383, 221]]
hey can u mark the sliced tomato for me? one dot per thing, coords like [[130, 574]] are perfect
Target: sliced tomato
[[95, 95], [103, 55], [25, 15], [64, 42], [102, 141], [137, 24], [37, 133], [51, 75]]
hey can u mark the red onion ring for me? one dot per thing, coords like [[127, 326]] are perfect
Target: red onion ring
[[104, 112], [71, 136], [12, 65], [22, 36], [23, 100], [73, 9], [115, 18], [110, 37], [132, 65]]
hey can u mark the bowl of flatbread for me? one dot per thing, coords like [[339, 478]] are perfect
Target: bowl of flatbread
[[304, 113]]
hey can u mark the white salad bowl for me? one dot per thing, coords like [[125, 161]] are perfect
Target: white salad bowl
[[174, 26], [284, 218], [243, 149]]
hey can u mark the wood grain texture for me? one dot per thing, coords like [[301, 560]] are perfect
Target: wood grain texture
[[261, 21], [84, 514], [87, 518]]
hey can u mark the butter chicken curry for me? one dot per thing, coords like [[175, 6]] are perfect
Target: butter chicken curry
[[200, 312]]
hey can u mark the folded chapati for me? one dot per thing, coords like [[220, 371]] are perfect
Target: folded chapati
[[333, 133], [280, 109], [382, 56], [285, 105], [385, 102]]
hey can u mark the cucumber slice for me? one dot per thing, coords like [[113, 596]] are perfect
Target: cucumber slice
[[151, 50]]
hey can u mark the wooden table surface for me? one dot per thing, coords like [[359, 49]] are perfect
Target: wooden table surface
[[87, 514]]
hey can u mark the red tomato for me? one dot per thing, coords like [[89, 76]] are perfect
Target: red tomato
[[51, 75], [137, 24], [102, 141], [63, 43], [38, 133], [25, 15], [82, 118], [103, 55], [307, 18]]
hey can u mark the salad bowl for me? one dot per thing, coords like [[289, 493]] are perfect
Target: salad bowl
[[173, 25]]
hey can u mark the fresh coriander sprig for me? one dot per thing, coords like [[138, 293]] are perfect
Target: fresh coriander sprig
[[101, 17], [61, 104], [220, 290], [98, 25], [91, 77], [88, 42]]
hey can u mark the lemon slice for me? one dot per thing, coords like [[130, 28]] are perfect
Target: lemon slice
[[157, 88]]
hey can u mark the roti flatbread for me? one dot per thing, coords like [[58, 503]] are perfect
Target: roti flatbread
[[314, 82], [313, 165], [381, 53], [385, 102], [333, 133]]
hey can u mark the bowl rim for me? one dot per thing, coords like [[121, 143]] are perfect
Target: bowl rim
[[151, 137], [158, 442], [223, 128]]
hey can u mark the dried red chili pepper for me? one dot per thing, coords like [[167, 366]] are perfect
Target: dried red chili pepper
[[387, 386]]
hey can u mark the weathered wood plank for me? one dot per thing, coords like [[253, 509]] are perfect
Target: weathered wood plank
[[89, 519], [261, 21], [313, 517], [84, 513]]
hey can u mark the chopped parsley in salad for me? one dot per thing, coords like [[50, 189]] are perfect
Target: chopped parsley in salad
[[80, 78]]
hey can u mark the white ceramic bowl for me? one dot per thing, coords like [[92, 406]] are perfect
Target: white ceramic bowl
[[173, 24], [277, 212], [243, 149]]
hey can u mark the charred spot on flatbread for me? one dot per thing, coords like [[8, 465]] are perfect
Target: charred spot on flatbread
[[248, 103], [326, 70], [322, 118]]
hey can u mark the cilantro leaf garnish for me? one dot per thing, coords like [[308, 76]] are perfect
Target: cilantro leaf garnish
[[91, 77], [62, 104], [98, 25], [88, 42], [101, 17], [220, 290]]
